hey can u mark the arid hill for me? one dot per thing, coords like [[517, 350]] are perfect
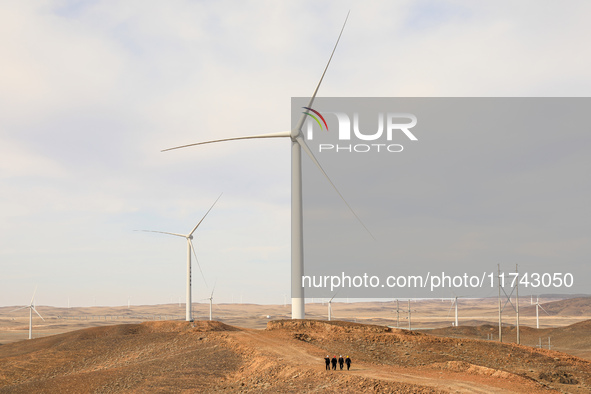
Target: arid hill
[[580, 306], [172, 356], [574, 339]]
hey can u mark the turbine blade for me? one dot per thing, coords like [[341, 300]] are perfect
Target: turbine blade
[[220, 311], [450, 308], [302, 143], [18, 309], [195, 228], [335, 294], [33, 308], [269, 135], [214, 283], [162, 232], [303, 117], [197, 261], [33, 298]]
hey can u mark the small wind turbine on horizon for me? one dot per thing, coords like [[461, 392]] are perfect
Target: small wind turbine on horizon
[[190, 248], [297, 237], [211, 303], [330, 307], [397, 314], [454, 303], [31, 307]]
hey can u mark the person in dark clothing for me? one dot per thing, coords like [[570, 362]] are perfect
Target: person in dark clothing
[[348, 362], [327, 362], [341, 362], [334, 362]]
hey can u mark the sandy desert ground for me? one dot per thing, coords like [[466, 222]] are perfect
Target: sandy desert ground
[[251, 348]]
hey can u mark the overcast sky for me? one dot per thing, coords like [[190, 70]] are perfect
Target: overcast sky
[[91, 91]]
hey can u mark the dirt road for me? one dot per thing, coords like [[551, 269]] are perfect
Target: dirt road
[[307, 356]]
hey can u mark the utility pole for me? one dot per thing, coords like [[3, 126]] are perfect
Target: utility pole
[[456, 302], [517, 301], [409, 314], [537, 313], [500, 307]]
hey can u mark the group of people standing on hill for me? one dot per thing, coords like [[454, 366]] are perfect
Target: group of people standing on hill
[[342, 361]]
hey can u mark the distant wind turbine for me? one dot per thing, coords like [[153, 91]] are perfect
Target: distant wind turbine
[[190, 248], [397, 314], [297, 237], [211, 303], [31, 307], [330, 306], [454, 303]]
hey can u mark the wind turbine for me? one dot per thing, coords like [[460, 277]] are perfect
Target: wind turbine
[[31, 307], [330, 306], [538, 313], [454, 303], [211, 303], [297, 236], [397, 314], [188, 237]]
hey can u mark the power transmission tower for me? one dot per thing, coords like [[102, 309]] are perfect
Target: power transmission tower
[[508, 301]]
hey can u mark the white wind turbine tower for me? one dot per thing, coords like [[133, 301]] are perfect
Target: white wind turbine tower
[[190, 248], [297, 237], [211, 303], [31, 307], [454, 303], [330, 307]]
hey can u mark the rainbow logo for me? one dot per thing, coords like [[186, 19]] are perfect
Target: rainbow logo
[[315, 118]]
